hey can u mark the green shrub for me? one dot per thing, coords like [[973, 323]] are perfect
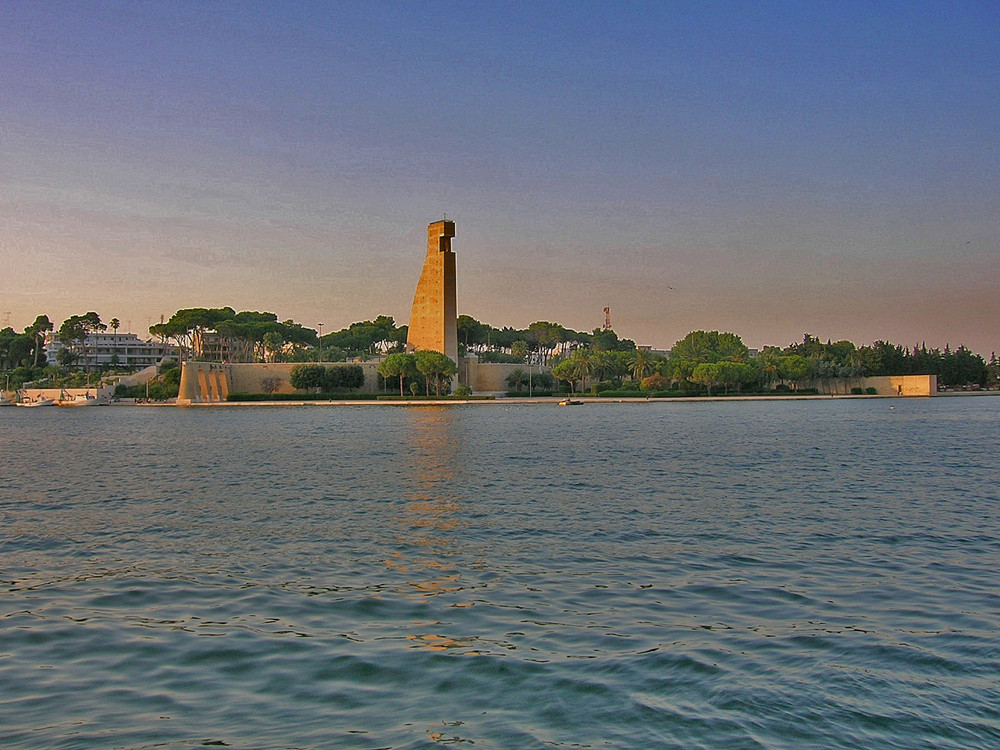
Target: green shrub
[[604, 385], [856, 390], [432, 397], [302, 396], [652, 384], [172, 378], [633, 393], [543, 381], [160, 391], [304, 377], [871, 391], [130, 391], [327, 379]]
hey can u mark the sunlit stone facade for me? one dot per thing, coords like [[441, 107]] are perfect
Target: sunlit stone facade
[[433, 320]]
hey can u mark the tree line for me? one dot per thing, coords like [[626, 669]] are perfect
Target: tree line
[[431, 365], [702, 359], [223, 333], [713, 360]]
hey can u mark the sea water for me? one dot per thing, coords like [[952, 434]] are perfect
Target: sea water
[[779, 574]]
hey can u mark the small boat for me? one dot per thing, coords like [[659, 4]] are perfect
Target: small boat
[[570, 402], [38, 402], [80, 399]]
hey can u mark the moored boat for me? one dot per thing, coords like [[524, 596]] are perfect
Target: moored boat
[[80, 399], [38, 402]]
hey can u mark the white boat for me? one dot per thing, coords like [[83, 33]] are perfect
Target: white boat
[[38, 402], [80, 399]]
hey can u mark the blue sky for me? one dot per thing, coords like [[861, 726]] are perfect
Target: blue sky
[[763, 168]]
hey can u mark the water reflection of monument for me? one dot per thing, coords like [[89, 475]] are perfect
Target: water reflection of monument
[[432, 549], [431, 514]]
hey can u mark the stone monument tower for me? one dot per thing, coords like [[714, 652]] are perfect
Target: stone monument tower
[[433, 321]]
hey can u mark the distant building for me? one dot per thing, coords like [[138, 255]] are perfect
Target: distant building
[[100, 350], [214, 348]]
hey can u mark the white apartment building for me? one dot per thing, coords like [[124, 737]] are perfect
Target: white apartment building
[[100, 350]]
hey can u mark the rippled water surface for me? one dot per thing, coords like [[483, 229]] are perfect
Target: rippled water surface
[[670, 575]]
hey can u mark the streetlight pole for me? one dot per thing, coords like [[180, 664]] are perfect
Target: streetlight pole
[[320, 340]]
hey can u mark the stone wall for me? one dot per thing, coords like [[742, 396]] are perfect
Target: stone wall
[[904, 385], [209, 382], [887, 385], [489, 377]]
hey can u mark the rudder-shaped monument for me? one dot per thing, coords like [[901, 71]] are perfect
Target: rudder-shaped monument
[[433, 319]]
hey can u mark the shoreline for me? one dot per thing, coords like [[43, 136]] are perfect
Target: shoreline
[[549, 400], [539, 400]]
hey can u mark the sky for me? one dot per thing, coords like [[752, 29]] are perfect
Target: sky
[[766, 168]]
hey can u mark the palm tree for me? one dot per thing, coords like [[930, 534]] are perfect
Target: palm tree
[[516, 379], [115, 323], [582, 367], [621, 362], [678, 370], [640, 364], [768, 367], [604, 365]]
